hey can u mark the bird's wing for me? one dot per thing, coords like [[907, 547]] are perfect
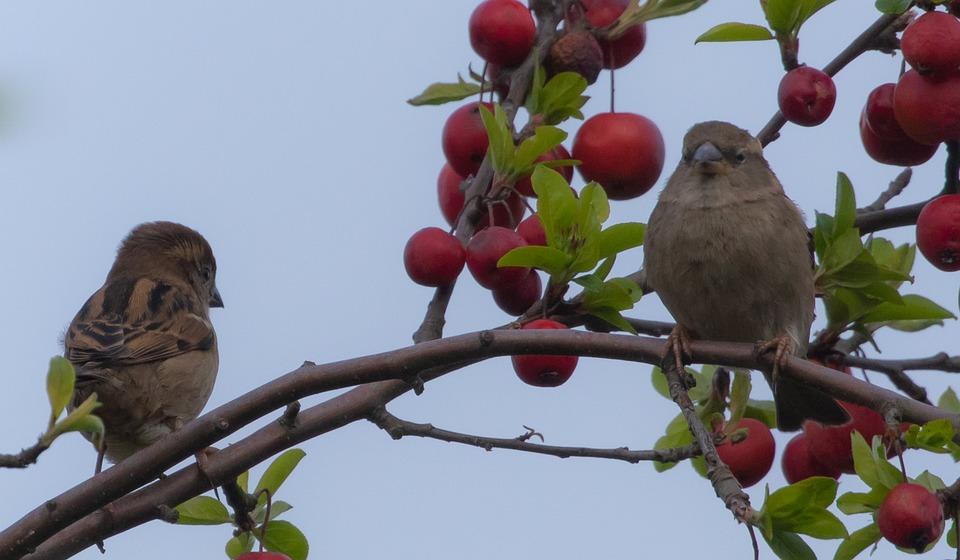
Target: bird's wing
[[137, 321]]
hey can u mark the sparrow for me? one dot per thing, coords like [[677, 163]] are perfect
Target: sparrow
[[730, 257], [144, 342]]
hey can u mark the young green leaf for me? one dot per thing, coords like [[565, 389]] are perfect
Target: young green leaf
[[550, 260], [893, 6], [278, 471], [202, 510], [238, 545], [782, 15], [561, 98], [60, 381], [734, 31], [440, 93], [846, 206], [500, 149], [243, 480], [621, 237], [789, 546], [613, 317], [933, 436], [915, 307], [949, 401], [544, 139], [861, 502], [857, 542], [277, 508], [284, 537], [810, 7], [739, 395]]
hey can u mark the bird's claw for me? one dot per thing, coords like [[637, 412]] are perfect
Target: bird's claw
[[782, 346], [678, 344]]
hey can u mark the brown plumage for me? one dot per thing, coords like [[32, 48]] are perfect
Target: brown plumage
[[144, 341], [728, 254]]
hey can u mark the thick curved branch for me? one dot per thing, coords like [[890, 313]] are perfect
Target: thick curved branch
[[861, 44], [26, 457], [441, 355], [398, 428]]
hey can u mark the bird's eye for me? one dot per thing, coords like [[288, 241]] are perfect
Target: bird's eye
[[741, 157], [206, 273]]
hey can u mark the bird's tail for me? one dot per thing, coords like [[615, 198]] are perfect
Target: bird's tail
[[797, 402]]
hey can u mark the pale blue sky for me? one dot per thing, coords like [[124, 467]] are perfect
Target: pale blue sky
[[279, 131]]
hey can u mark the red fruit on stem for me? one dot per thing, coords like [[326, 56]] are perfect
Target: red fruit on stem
[[262, 556], [433, 257], [576, 51], [932, 43], [449, 194], [831, 444], [938, 232], [502, 31], [806, 96], [464, 139], [618, 52], [531, 230], [525, 187], [483, 252], [883, 138], [799, 463], [928, 108], [750, 458], [544, 370], [622, 151], [517, 299], [910, 517]]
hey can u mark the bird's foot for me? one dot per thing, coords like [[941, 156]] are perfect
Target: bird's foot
[[782, 346], [678, 344]]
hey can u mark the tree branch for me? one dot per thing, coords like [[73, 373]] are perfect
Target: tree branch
[[549, 15], [893, 190], [896, 370], [26, 457], [862, 43], [52, 523], [398, 428]]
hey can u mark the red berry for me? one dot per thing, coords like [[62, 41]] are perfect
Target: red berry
[[544, 370], [883, 138], [449, 193], [262, 556], [485, 249], [576, 51], [932, 43], [525, 187], [799, 463], [806, 96], [910, 517], [433, 257], [517, 299], [531, 230], [618, 52], [465, 139], [938, 232], [928, 107], [622, 151], [831, 444], [750, 458], [502, 31]]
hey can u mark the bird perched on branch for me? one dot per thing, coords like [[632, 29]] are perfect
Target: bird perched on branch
[[144, 342], [729, 255]]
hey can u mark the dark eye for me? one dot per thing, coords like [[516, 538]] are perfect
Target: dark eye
[[206, 273], [741, 157]]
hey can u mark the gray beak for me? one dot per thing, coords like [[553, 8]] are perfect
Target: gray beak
[[215, 299], [707, 152]]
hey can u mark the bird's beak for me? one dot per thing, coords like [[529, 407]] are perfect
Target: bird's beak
[[215, 299], [708, 158]]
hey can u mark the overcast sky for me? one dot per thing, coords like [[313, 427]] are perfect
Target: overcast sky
[[279, 130]]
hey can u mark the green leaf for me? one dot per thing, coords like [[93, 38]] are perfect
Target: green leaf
[[861, 502], [278, 471], [440, 93], [809, 7], [550, 260], [617, 293], [605, 267], [739, 395], [594, 206], [613, 317], [842, 251], [930, 481], [284, 537], [782, 15], [544, 139], [556, 204], [952, 535], [814, 492], [933, 436], [949, 401], [819, 524], [678, 438], [561, 98], [89, 424], [60, 381], [202, 510], [857, 542], [915, 307], [621, 237], [912, 326], [243, 480], [668, 8], [241, 544], [846, 206], [822, 234], [590, 282], [277, 508], [659, 382], [762, 410], [500, 149], [893, 6], [77, 420], [734, 31], [789, 546]]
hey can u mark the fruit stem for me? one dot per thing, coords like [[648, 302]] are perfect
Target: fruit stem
[[266, 518], [952, 183], [753, 540], [612, 84]]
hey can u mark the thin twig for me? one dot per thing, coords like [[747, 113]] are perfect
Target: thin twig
[[26, 457], [398, 428], [862, 43], [893, 190]]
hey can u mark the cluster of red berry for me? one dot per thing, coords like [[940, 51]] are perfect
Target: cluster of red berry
[[624, 152]]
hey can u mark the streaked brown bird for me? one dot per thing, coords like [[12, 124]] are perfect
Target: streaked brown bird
[[729, 255], [144, 341]]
